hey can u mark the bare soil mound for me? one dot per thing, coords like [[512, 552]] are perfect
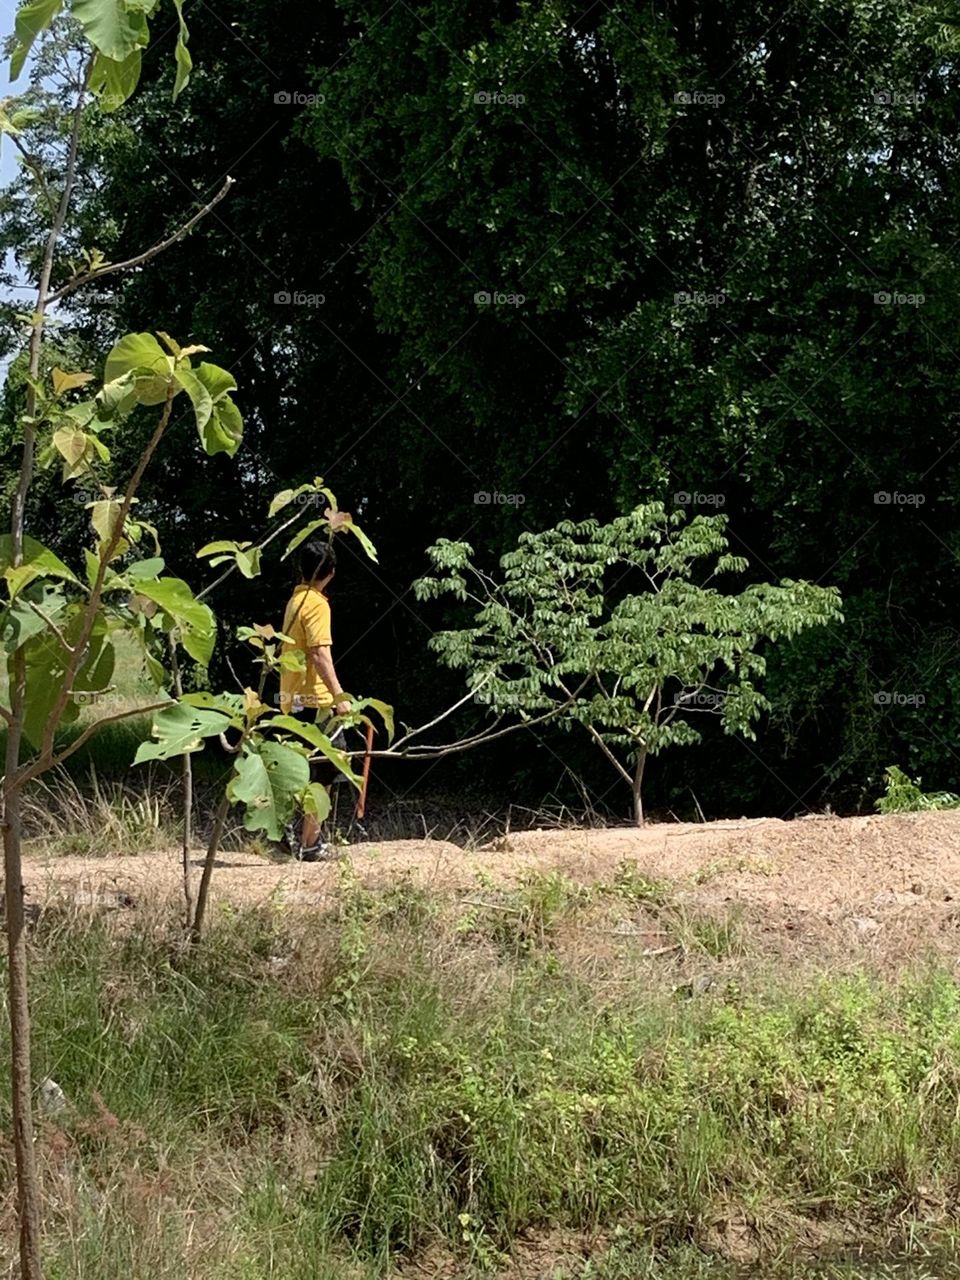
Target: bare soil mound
[[889, 884]]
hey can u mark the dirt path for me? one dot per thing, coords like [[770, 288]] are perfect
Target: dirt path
[[889, 882]]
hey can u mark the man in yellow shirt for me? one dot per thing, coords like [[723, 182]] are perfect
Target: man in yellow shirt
[[317, 688]]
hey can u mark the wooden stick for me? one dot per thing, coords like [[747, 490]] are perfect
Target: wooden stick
[[362, 801]]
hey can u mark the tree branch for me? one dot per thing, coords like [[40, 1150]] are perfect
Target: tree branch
[[146, 255], [480, 739], [51, 624], [45, 758], [431, 724], [33, 164], [38, 766], [232, 568]]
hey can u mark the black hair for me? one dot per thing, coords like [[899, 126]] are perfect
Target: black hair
[[315, 558]]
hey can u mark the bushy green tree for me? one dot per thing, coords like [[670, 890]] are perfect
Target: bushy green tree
[[617, 628]]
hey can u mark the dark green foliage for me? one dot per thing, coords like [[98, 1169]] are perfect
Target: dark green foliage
[[825, 177]]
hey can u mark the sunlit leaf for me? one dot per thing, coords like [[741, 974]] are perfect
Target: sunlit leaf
[[181, 53], [179, 730], [267, 782], [113, 27], [198, 627], [32, 18], [38, 562]]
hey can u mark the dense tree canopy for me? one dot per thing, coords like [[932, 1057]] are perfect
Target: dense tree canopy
[[720, 247]]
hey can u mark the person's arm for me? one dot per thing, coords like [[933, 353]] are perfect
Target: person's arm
[[321, 655]]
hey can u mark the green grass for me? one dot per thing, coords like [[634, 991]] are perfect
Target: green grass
[[326, 1096]]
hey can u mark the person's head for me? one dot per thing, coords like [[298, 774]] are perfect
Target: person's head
[[316, 561]]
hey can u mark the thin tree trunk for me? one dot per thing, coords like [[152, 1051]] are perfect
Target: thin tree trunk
[[186, 772], [196, 926], [637, 786], [28, 1185]]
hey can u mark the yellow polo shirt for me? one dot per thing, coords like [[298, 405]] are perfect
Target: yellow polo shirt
[[307, 622]]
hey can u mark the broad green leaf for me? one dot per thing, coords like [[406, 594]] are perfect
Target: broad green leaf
[[222, 429], [114, 82], [117, 398], [32, 18], [20, 622], [46, 665], [105, 516], [228, 704], [145, 569], [216, 380], [180, 729], [144, 526], [313, 734], [200, 397], [81, 414], [92, 566], [210, 548], [224, 432], [182, 54], [113, 27], [284, 498], [197, 624], [37, 559], [142, 356], [77, 450], [267, 783], [316, 801], [248, 562]]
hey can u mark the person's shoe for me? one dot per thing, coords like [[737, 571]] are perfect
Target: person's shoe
[[319, 852], [291, 834]]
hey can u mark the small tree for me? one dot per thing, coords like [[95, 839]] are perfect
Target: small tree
[[56, 625], [616, 628]]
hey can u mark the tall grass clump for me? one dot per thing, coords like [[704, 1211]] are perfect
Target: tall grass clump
[[326, 1095]]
